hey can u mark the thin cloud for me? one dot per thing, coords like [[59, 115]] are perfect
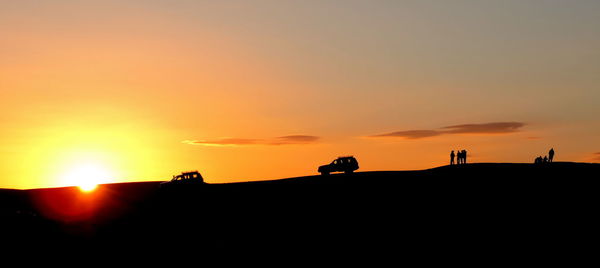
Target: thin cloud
[[411, 134], [222, 142], [294, 139], [596, 156], [485, 128], [283, 140]]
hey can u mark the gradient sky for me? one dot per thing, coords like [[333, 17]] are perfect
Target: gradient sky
[[249, 90]]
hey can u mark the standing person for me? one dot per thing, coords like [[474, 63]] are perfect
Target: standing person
[[551, 155], [464, 156], [459, 157], [452, 158]]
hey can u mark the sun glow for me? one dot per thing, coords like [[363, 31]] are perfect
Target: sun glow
[[88, 187], [87, 176]]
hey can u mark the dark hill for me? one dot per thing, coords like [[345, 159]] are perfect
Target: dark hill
[[475, 210]]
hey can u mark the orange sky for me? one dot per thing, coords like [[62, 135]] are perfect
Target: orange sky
[[243, 91]]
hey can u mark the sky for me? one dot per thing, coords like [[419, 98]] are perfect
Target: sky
[[255, 90]]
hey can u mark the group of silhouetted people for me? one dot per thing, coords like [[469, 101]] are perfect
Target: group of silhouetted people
[[546, 159], [461, 157]]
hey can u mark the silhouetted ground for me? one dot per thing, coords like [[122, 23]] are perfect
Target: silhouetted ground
[[497, 212]]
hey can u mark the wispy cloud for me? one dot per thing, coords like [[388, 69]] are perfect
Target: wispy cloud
[[222, 142], [411, 134], [294, 139], [596, 156], [283, 140], [485, 128]]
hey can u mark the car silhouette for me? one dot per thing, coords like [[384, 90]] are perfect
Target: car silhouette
[[185, 178], [346, 164]]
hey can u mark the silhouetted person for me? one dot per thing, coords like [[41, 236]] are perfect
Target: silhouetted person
[[464, 156], [546, 159], [452, 158], [551, 155]]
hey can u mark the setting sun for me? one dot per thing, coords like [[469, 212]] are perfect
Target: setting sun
[[87, 176], [88, 187]]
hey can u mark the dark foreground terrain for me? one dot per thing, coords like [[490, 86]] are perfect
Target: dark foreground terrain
[[491, 211]]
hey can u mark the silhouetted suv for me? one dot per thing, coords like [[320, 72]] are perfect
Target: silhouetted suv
[[347, 164], [185, 178]]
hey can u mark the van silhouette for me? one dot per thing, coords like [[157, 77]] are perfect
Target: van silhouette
[[346, 164]]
